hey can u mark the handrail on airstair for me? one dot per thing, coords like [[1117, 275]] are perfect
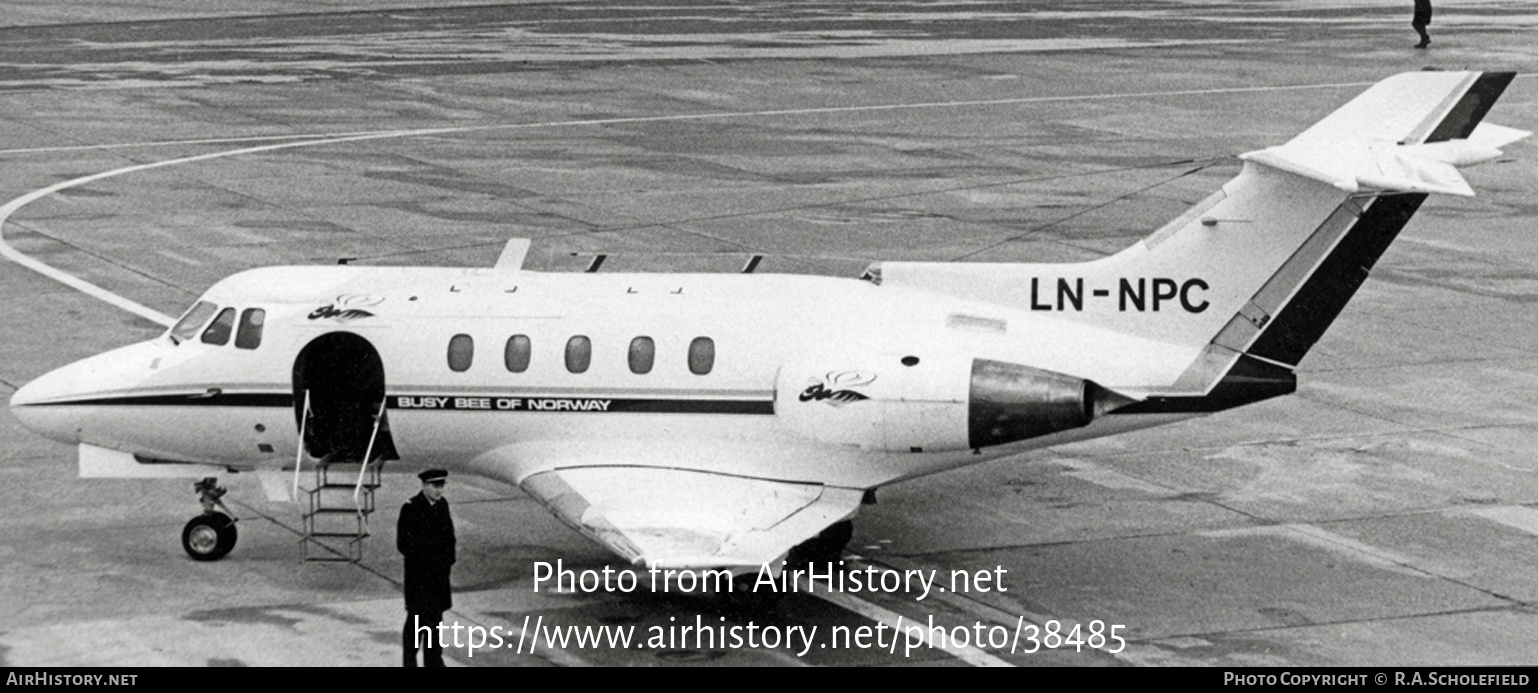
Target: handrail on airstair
[[304, 420], [357, 491]]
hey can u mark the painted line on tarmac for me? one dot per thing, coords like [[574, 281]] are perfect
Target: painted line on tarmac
[[966, 653], [289, 142], [182, 143], [328, 138], [98, 292], [1321, 538], [1518, 517], [986, 612]]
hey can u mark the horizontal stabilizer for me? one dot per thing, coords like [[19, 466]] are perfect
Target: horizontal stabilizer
[[1406, 134], [1367, 166], [1496, 136]]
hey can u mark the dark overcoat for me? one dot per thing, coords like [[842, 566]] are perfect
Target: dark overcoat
[[425, 536], [1422, 12]]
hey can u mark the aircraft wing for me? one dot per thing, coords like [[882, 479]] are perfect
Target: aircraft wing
[[661, 517]]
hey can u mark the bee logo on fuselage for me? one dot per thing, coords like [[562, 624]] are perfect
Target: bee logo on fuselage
[[836, 388], [346, 308]]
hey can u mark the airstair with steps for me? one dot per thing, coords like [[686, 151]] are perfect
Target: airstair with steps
[[336, 521]]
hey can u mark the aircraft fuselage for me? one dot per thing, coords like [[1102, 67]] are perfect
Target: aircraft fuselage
[[750, 364]]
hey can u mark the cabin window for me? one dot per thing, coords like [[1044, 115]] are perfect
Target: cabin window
[[461, 352], [218, 332], [187, 327], [579, 354], [702, 355], [249, 335], [517, 353], [643, 352]]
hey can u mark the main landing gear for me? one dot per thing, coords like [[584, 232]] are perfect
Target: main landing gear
[[823, 550], [826, 547], [208, 537]]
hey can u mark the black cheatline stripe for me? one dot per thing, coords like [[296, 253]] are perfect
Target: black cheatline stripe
[[1476, 102], [452, 402], [1248, 381], [568, 404], [695, 406], [239, 399], [1303, 321]]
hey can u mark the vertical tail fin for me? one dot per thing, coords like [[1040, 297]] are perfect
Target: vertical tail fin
[[1255, 274]]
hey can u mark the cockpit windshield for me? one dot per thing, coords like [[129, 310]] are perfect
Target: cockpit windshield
[[187, 327]]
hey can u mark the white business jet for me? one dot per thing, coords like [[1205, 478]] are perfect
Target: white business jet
[[727, 421]]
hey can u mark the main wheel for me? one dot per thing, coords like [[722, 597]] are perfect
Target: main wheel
[[208, 537], [826, 547], [743, 601]]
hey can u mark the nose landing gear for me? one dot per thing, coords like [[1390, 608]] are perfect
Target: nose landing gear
[[208, 537]]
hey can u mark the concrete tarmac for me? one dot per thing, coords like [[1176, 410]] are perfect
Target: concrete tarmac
[[1384, 515]]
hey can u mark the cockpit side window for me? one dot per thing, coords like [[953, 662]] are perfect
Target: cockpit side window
[[218, 332], [194, 318], [249, 336]]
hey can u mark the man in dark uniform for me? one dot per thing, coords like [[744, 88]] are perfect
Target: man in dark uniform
[[1420, 20], [425, 536]]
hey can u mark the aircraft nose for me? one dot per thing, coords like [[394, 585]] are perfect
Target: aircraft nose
[[64, 402], [37, 405]]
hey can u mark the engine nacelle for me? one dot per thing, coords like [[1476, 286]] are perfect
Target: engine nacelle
[[901, 403]]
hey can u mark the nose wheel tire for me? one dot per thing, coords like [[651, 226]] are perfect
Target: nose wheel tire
[[208, 537]]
